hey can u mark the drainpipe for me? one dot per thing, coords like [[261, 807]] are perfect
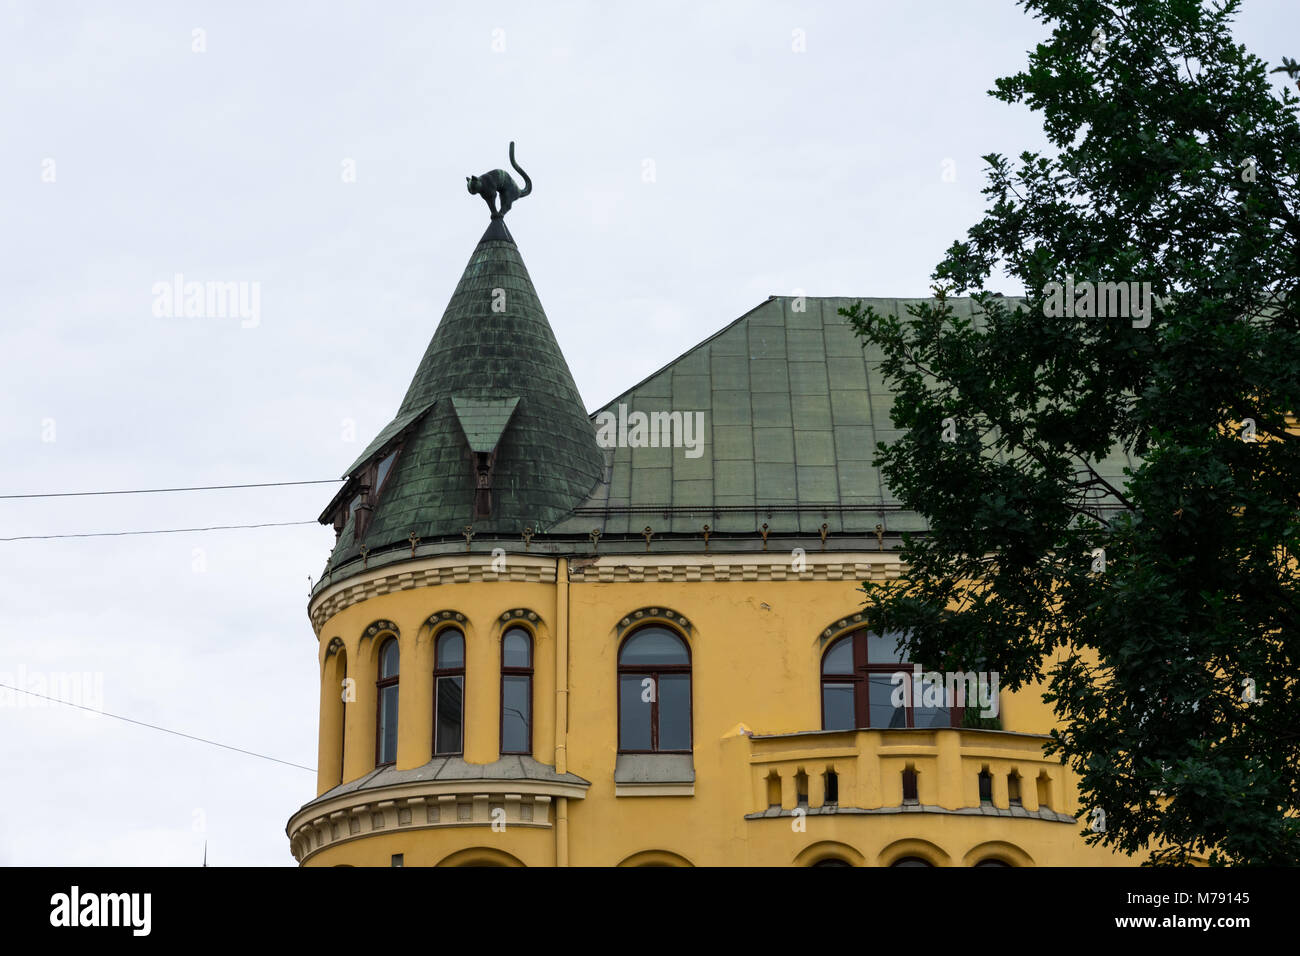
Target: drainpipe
[[561, 705], [561, 831]]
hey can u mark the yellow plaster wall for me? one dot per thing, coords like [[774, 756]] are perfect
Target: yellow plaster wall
[[756, 650]]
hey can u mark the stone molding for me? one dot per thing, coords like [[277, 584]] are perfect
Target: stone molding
[[605, 569], [424, 806], [841, 566], [424, 573]]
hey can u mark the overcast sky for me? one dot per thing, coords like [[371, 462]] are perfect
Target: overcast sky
[[688, 161]]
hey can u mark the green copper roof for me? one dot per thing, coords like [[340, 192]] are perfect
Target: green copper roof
[[785, 407], [483, 419], [492, 376], [389, 432], [793, 406]]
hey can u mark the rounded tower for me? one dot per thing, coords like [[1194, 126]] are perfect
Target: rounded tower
[[490, 447]]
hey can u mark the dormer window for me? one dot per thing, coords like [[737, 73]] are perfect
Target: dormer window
[[365, 487], [368, 477]]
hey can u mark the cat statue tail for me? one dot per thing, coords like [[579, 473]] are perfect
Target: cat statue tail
[[528, 183]]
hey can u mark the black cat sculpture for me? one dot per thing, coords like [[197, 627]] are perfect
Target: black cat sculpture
[[500, 183]]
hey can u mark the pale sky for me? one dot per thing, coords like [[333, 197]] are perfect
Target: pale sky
[[688, 161]]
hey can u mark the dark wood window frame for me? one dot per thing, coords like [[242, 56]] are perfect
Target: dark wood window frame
[[517, 672], [654, 674], [861, 680], [365, 486], [343, 730], [438, 672], [381, 684]]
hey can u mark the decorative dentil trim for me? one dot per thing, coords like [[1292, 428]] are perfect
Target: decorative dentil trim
[[487, 803], [606, 569]]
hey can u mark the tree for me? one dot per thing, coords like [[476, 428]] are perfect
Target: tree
[[1160, 608]]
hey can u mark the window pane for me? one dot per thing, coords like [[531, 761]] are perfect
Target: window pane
[[633, 713], [450, 699], [515, 652], [451, 651], [383, 470], [923, 716], [388, 725], [839, 659], [654, 647], [883, 648], [516, 712], [388, 659], [883, 713], [675, 712], [911, 861], [931, 717], [837, 707]]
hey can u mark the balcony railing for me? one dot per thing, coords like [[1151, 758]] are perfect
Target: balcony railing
[[957, 770]]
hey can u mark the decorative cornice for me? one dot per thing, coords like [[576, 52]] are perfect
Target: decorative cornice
[[423, 573], [423, 806], [605, 569], [841, 566]]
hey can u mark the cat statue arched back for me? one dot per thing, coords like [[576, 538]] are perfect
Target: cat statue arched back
[[500, 183]]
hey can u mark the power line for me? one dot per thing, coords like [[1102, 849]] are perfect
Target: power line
[[118, 534], [154, 491], [165, 730]]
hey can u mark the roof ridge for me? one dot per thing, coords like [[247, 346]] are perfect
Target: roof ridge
[[746, 315], [697, 345]]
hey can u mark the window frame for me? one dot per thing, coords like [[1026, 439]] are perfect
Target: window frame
[[382, 684], [863, 671], [439, 672], [343, 720], [654, 674], [363, 488], [516, 672]]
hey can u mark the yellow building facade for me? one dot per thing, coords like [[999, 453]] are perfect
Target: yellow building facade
[[548, 641]]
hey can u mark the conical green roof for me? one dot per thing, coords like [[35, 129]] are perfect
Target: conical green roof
[[492, 377]]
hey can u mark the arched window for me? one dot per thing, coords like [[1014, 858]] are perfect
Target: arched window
[[449, 694], [337, 689], [654, 693], [516, 692], [911, 861], [858, 686], [386, 692], [345, 691]]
